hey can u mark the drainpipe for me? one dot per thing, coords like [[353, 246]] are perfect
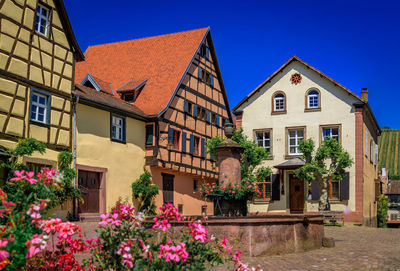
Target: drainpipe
[[75, 203]]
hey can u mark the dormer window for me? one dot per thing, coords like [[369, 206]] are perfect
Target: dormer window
[[42, 21], [130, 98]]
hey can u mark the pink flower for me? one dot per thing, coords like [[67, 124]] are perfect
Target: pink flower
[[164, 225], [237, 255], [233, 192], [223, 242], [51, 225], [173, 253], [198, 232], [36, 245]]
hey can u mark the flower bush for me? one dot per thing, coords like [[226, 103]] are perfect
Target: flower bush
[[245, 191]]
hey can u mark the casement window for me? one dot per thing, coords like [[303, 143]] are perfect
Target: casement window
[[118, 128], [366, 144], [204, 51], [371, 150], [201, 113], [42, 20], [40, 107], [294, 138], [331, 132], [150, 134], [279, 102], [265, 187], [196, 147], [176, 140], [313, 99], [263, 139], [188, 107], [334, 191], [224, 121], [206, 77], [214, 119], [35, 167]]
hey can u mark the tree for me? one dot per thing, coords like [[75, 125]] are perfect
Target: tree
[[328, 163], [145, 191], [252, 156]]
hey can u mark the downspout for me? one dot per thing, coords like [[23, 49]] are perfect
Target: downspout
[[75, 202]]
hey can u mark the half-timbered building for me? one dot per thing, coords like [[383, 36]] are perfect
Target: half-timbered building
[[38, 52], [175, 81]]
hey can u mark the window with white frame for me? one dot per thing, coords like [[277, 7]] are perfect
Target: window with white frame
[[330, 132], [313, 99], [263, 139], [39, 107], [117, 128], [279, 102], [42, 21], [294, 138]]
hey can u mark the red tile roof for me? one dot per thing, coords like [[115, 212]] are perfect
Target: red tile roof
[[104, 86], [161, 59]]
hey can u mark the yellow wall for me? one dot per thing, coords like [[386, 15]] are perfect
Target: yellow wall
[[336, 108], [124, 162]]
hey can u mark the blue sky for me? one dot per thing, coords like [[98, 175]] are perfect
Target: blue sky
[[354, 42]]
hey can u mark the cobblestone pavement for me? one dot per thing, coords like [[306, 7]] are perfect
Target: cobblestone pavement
[[357, 248]]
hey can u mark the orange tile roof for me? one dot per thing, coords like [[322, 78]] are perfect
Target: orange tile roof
[[162, 59]]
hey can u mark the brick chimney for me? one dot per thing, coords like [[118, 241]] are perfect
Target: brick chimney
[[364, 94]]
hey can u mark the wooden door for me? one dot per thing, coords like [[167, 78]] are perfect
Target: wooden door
[[89, 184], [296, 194], [168, 188]]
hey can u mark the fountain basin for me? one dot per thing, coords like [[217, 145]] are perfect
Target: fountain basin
[[267, 234]]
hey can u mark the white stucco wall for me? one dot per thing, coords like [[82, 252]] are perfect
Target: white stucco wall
[[336, 108]]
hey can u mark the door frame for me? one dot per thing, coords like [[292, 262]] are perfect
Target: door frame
[[290, 195], [102, 192]]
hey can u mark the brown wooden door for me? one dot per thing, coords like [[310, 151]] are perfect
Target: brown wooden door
[[296, 194], [168, 188], [89, 184]]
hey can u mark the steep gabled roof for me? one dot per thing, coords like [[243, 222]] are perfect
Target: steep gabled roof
[[163, 60], [68, 30], [292, 59]]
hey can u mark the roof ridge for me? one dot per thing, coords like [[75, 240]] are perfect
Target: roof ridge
[[150, 37]]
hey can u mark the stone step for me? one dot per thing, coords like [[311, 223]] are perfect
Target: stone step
[[89, 217]]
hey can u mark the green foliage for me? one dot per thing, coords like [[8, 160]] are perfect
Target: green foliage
[[262, 173], [252, 155], [389, 151], [327, 163], [383, 207], [145, 191]]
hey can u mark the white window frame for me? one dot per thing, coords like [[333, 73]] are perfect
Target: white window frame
[[297, 139], [313, 94], [41, 17], [39, 105], [281, 101], [264, 139], [119, 128], [330, 133]]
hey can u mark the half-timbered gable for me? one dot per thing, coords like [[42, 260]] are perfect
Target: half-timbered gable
[[175, 80], [38, 52]]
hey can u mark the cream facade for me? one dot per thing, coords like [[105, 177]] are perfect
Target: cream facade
[[336, 110]]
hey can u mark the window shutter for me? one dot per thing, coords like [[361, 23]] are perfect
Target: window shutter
[[191, 147], [203, 149], [344, 187], [211, 80], [200, 74], [170, 135], [376, 154], [195, 111], [48, 109], [366, 143], [183, 142], [123, 129], [208, 116], [217, 121], [212, 156], [207, 53], [185, 106], [276, 194], [315, 190]]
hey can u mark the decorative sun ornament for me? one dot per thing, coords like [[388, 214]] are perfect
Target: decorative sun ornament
[[295, 78]]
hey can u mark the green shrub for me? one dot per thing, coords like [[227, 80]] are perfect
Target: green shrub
[[383, 207], [145, 191]]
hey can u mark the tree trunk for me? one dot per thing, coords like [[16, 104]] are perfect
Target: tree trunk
[[323, 199]]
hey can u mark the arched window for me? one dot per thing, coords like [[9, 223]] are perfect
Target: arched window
[[279, 103], [313, 99]]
